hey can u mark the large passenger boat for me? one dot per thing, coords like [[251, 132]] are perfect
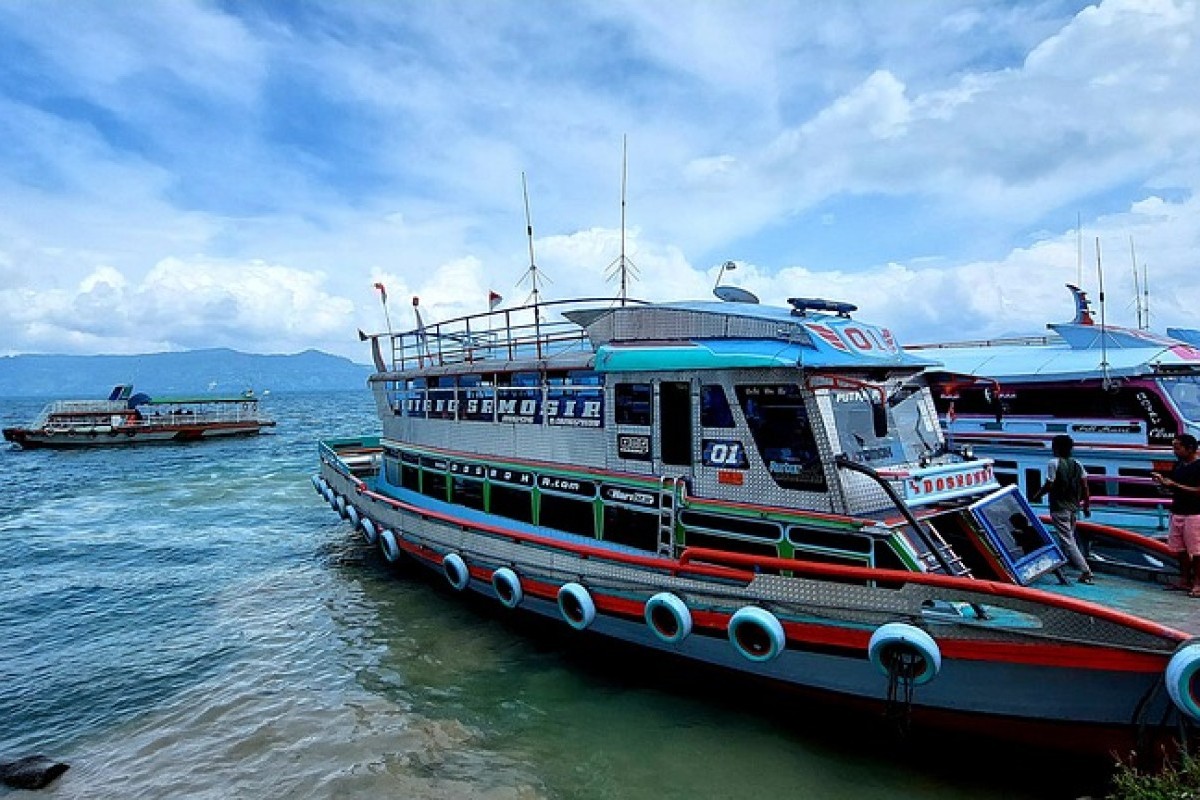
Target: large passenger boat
[[1122, 394], [129, 418], [765, 491]]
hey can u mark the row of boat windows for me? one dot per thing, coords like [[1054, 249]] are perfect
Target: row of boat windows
[[1130, 402], [594, 510], [1007, 474]]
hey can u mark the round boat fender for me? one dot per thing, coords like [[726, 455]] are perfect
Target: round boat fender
[[576, 606], [456, 571], [339, 503], [757, 634], [1183, 679], [316, 482], [900, 645], [370, 532], [353, 515], [389, 546], [668, 617], [507, 587]]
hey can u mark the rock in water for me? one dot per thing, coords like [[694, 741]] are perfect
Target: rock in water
[[31, 772]]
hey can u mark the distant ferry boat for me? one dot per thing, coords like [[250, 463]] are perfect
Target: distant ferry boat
[[1122, 395], [765, 491], [128, 418]]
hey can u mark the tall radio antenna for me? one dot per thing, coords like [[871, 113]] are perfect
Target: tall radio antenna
[[622, 266], [1146, 295], [533, 275], [1108, 382], [1137, 292]]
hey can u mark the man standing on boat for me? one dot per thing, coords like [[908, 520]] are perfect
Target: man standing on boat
[[1066, 481], [1184, 537]]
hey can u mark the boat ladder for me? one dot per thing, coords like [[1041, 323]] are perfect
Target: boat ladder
[[671, 491], [949, 556]]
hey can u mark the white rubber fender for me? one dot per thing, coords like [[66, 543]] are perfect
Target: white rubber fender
[[339, 503], [455, 570], [389, 546], [370, 532], [668, 617], [576, 605], [316, 482], [909, 639], [507, 587], [757, 634], [352, 515], [1183, 679]]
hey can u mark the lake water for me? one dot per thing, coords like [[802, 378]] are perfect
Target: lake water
[[194, 621]]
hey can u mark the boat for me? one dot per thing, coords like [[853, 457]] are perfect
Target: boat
[[127, 418], [1122, 394], [764, 492]]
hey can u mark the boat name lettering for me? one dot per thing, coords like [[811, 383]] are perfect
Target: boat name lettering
[[919, 487], [1148, 406], [620, 495], [515, 477], [633, 446], [724, 453], [1134, 428], [568, 485]]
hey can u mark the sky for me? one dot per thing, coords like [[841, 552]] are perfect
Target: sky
[[177, 175]]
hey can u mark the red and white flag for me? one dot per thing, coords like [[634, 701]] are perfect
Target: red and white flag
[[494, 299], [382, 291]]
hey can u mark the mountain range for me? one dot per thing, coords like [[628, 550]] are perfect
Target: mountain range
[[213, 371]]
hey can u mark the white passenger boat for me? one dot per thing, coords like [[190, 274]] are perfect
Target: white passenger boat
[[765, 491], [127, 418]]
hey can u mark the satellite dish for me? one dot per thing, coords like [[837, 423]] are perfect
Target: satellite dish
[[734, 294]]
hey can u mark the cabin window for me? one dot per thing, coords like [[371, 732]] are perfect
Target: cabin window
[[714, 407], [468, 492], [1185, 393], [784, 436], [1143, 487], [442, 399], [716, 541], [854, 545], [570, 514], [633, 403], [627, 526], [511, 502], [413, 398], [434, 484], [739, 526], [519, 398]]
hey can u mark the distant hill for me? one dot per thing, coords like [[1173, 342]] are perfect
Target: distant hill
[[214, 371]]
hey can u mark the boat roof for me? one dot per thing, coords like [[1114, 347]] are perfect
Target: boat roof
[[1075, 350], [812, 334]]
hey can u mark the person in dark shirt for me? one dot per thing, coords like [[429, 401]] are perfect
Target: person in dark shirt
[[1184, 484]]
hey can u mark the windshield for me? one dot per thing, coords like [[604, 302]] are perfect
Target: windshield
[[912, 430], [1185, 393]]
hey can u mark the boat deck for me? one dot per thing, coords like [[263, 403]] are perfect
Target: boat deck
[[1165, 606]]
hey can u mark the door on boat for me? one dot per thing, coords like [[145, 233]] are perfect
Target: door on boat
[[675, 424]]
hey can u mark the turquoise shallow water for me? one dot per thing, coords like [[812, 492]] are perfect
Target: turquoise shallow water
[[193, 621]]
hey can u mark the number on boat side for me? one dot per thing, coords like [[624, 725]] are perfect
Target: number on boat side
[[724, 453]]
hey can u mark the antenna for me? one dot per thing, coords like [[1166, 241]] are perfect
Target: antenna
[[1146, 296], [622, 266], [1137, 297], [532, 274], [1108, 382], [1079, 248]]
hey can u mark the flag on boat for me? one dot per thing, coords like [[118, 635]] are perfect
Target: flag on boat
[[382, 291], [494, 299]]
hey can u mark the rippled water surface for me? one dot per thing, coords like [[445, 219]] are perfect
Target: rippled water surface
[[193, 621]]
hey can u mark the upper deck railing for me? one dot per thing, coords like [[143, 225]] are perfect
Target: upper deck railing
[[532, 332]]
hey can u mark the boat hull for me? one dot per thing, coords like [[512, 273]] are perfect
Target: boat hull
[[1073, 678], [31, 439]]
